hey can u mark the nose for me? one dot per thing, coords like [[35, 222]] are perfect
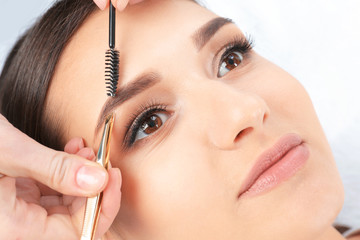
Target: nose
[[233, 114]]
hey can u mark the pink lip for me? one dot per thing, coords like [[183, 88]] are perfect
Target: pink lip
[[275, 165]]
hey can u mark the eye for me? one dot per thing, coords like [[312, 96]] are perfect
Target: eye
[[147, 120], [150, 124], [236, 51], [230, 60]]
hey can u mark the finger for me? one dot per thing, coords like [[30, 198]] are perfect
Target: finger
[[57, 210], [74, 145], [46, 191], [87, 153], [120, 4], [27, 190], [8, 210], [68, 174], [21, 220], [132, 2], [102, 4], [49, 202], [54, 205], [77, 146], [109, 207], [111, 202], [7, 192], [3, 119], [59, 227]]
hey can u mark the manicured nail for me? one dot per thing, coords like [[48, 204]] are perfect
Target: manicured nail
[[101, 4], [90, 178]]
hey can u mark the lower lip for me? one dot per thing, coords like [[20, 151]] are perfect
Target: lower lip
[[288, 166]]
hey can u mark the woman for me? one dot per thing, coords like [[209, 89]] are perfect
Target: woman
[[200, 118]]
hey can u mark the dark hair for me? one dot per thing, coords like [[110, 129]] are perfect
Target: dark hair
[[30, 66]]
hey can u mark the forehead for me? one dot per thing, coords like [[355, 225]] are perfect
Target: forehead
[[161, 26], [143, 32]]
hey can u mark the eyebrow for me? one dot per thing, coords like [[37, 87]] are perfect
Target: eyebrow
[[135, 87], [208, 30], [200, 38]]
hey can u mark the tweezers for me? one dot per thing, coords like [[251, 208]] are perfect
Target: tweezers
[[93, 204]]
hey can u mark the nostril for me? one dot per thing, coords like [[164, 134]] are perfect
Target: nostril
[[243, 133], [266, 115]]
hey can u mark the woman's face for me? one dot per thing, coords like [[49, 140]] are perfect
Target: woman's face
[[195, 111]]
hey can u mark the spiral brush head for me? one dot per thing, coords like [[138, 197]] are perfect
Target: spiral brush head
[[111, 71], [111, 57]]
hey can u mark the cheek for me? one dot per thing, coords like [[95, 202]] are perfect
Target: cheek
[[173, 191], [320, 195], [290, 106]]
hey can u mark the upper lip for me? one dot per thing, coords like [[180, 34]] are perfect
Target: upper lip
[[269, 157]]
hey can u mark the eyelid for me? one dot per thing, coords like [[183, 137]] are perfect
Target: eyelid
[[140, 132], [246, 41], [159, 135], [133, 124]]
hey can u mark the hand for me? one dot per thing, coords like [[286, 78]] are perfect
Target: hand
[[39, 188], [118, 4]]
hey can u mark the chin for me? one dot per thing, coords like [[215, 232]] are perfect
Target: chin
[[321, 196]]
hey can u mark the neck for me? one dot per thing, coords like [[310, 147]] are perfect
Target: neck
[[331, 234]]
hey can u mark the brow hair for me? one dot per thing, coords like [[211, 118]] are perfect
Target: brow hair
[[206, 32], [135, 87]]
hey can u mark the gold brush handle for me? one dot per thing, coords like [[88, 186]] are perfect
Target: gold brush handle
[[93, 204]]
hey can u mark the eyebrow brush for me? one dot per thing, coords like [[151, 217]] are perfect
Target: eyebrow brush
[[111, 57]]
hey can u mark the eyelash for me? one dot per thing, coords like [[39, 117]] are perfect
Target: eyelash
[[134, 124], [241, 44]]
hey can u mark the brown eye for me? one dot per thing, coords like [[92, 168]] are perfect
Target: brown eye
[[151, 124], [229, 62]]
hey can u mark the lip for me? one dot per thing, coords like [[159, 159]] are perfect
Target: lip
[[275, 165]]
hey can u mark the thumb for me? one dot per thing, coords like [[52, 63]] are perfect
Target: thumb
[[69, 174], [21, 156]]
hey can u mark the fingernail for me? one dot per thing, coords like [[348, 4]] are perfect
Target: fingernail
[[81, 143], [135, 1], [101, 4], [91, 154], [121, 4], [87, 153], [120, 176], [90, 178]]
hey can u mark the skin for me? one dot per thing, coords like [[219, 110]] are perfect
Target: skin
[[42, 190], [38, 194], [119, 4], [182, 182]]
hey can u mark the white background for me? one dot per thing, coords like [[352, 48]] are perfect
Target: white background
[[317, 41]]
